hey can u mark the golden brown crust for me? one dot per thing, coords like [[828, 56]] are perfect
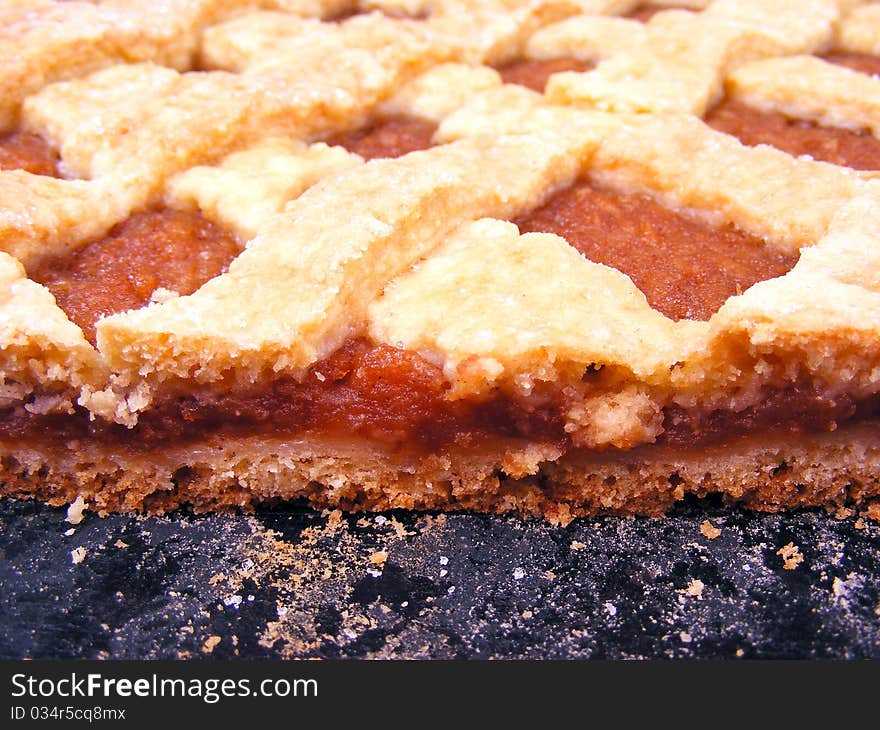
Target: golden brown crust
[[247, 188], [761, 473], [808, 88], [40, 345]]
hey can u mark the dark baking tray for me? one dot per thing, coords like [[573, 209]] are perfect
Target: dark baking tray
[[290, 582]]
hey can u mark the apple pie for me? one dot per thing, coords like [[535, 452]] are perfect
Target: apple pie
[[561, 257]]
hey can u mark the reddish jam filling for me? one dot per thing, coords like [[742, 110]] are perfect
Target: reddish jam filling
[[381, 393], [861, 62], [643, 13], [535, 74], [30, 152], [858, 150], [799, 408], [173, 249], [397, 398], [390, 137], [686, 269]]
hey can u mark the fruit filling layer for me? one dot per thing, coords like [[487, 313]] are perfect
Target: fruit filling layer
[[396, 398], [29, 152], [166, 249], [535, 74], [858, 150], [391, 137], [685, 268]]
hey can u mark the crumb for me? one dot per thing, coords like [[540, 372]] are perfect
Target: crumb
[[379, 557], [69, 533], [334, 520], [560, 516], [685, 637], [210, 643], [519, 574], [550, 575], [873, 511], [216, 578], [75, 510], [860, 524], [120, 544], [695, 589], [791, 555], [527, 614], [844, 588], [610, 608], [77, 555], [399, 530], [740, 653], [843, 513], [710, 532], [577, 545], [161, 295]]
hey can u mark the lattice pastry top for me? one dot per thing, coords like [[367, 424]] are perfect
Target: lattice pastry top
[[239, 122]]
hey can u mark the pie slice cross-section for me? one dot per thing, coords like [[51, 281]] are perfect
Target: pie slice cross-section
[[560, 257]]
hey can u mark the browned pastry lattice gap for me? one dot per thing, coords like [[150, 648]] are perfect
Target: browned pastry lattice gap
[[170, 249], [388, 137], [393, 13], [30, 152], [861, 62], [685, 268], [644, 12], [858, 150], [535, 74]]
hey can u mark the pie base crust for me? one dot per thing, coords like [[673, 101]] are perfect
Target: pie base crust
[[759, 472]]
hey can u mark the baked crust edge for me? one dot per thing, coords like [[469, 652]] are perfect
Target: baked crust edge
[[762, 472]]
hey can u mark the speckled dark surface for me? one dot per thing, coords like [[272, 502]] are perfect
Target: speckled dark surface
[[293, 583]]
